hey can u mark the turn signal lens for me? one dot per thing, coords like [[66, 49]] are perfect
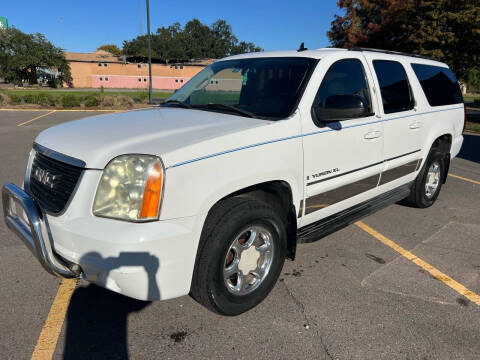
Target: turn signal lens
[[152, 193]]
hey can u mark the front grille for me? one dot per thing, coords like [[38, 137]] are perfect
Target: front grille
[[52, 182]]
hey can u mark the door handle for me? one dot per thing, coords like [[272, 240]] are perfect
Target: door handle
[[372, 135], [415, 125]]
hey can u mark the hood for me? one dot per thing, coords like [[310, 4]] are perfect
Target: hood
[[98, 139]]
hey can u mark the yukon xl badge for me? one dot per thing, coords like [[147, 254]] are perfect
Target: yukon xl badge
[[323, 173], [44, 177]]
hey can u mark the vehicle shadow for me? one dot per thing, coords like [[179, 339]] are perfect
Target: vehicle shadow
[[96, 324], [470, 148]]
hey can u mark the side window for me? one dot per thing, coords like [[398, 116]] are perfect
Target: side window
[[394, 87], [343, 93], [439, 84]]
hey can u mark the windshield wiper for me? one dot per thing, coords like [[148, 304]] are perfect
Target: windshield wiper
[[216, 106], [177, 102]]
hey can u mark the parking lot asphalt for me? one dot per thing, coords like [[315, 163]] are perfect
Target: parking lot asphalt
[[354, 294]]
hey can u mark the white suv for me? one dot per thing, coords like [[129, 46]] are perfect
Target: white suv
[[208, 194]]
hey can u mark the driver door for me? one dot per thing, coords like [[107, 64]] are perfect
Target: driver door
[[342, 157]]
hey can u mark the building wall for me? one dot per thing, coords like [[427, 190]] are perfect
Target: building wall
[[81, 74], [130, 76]]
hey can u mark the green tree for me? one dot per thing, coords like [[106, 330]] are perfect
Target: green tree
[[473, 79], [448, 30], [22, 54], [111, 48], [194, 41]]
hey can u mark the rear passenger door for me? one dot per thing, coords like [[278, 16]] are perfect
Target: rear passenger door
[[402, 122]]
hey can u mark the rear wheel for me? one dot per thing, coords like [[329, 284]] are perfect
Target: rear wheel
[[240, 256], [429, 180]]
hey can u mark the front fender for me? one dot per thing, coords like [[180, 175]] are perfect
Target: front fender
[[193, 188]]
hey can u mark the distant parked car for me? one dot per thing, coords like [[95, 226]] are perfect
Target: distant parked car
[[208, 194]]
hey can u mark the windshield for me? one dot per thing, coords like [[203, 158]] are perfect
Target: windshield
[[267, 88]]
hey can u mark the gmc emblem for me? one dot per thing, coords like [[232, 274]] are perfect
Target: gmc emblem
[[44, 177]]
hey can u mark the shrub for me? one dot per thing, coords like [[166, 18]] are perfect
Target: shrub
[[4, 99], [48, 100], [69, 101], [29, 98], [102, 91], [92, 101], [107, 101], [476, 102], [143, 96], [123, 101], [39, 99], [16, 99]]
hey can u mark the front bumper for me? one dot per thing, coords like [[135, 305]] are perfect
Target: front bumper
[[27, 220], [145, 261]]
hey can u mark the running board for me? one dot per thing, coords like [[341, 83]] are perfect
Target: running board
[[332, 223]]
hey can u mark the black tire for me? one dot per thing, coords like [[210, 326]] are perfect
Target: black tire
[[221, 228], [418, 196]]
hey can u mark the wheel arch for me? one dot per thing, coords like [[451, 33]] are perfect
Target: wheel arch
[[442, 141], [279, 195]]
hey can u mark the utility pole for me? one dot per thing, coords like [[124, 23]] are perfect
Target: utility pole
[[149, 56]]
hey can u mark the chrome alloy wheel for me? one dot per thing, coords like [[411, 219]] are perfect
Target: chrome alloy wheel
[[248, 260], [433, 179]]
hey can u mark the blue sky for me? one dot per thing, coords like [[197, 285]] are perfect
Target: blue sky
[[87, 24]]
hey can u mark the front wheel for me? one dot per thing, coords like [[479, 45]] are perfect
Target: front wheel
[[428, 183], [240, 256]]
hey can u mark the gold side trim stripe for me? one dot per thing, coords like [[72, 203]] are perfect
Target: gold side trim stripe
[[300, 209], [321, 201], [398, 172], [331, 197]]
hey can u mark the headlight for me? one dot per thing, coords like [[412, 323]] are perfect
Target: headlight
[[130, 188]]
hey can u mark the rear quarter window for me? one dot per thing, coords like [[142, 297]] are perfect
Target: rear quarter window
[[394, 86], [439, 84]]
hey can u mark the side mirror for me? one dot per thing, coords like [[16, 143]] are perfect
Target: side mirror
[[341, 107]]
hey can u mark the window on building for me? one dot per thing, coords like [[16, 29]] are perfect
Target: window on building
[[139, 79], [439, 84], [344, 77], [106, 78], [181, 80], [99, 65], [216, 81], [139, 66], [394, 86], [176, 80], [144, 79], [105, 64], [181, 66], [176, 67], [101, 78]]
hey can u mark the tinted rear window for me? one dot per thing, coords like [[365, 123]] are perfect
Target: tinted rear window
[[394, 86], [439, 84]]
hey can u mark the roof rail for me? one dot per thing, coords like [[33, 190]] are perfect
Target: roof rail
[[359, 48]]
